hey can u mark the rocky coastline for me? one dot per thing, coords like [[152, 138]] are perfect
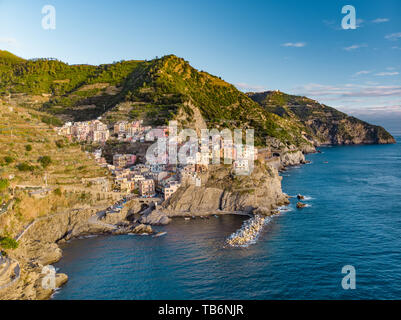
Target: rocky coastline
[[256, 196], [39, 245]]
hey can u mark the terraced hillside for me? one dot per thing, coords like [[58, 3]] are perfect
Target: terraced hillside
[[38, 169]]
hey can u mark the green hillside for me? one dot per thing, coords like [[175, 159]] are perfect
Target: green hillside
[[156, 91], [166, 88]]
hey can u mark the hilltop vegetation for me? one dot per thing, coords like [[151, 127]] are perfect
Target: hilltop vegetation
[[51, 76]]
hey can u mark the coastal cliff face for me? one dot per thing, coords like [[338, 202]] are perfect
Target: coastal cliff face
[[39, 245], [292, 158], [37, 248], [222, 191], [348, 131], [288, 155], [322, 124]]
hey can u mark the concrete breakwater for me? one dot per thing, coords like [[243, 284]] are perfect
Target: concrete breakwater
[[249, 232]]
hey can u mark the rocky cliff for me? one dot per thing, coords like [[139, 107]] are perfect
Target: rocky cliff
[[222, 191], [39, 244], [321, 124]]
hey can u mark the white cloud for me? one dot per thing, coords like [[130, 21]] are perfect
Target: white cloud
[[362, 72], [249, 87], [359, 23], [383, 74], [355, 46], [371, 110], [9, 41], [349, 90], [294, 44], [381, 20], [393, 36]]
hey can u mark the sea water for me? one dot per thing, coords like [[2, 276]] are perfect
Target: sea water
[[353, 218]]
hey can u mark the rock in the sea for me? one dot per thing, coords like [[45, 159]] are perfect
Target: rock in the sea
[[263, 211], [300, 197], [133, 228], [301, 205], [142, 228], [61, 279], [155, 218]]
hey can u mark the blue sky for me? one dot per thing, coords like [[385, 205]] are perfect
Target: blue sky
[[295, 46]]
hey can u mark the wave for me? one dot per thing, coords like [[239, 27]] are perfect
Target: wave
[[55, 292], [283, 209], [138, 234], [306, 198], [87, 236]]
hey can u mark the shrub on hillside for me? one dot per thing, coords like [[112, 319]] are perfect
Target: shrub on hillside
[[57, 192], [28, 147], [8, 243], [4, 184], [45, 161], [24, 167], [60, 144], [8, 159]]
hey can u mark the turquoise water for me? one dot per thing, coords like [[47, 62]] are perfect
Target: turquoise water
[[354, 218]]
